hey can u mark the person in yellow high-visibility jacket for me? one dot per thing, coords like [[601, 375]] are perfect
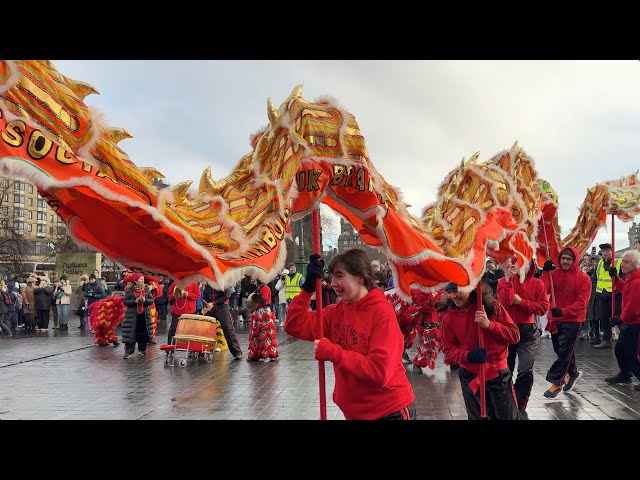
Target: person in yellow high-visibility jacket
[[603, 295], [293, 282]]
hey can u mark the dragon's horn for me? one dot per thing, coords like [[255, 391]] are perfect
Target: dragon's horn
[[151, 173], [180, 190], [116, 134], [81, 89], [515, 150], [473, 158], [272, 113], [296, 92], [207, 183]]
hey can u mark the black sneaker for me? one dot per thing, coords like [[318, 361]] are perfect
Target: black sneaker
[[238, 356], [116, 343], [572, 382], [553, 391], [618, 379]]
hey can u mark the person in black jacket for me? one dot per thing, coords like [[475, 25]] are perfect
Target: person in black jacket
[[216, 305], [492, 275], [162, 301]]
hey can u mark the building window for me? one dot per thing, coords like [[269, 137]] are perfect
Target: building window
[[42, 216], [5, 212], [6, 183], [42, 204], [18, 227], [51, 218], [42, 229], [18, 212], [29, 214], [18, 186], [38, 246], [31, 202], [17, 198], [29, 228], [5, 197], [51, 231], [30, 188]]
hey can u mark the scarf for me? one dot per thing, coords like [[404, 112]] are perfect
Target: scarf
[[139, 291]]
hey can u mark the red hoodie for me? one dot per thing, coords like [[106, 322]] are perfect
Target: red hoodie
[[460, 336], [532, 292], [630, 290], [185, 305], [572, 290], [365, 344]]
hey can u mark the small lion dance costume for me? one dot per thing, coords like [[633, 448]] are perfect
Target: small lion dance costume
[[104, 317], [262, 339]]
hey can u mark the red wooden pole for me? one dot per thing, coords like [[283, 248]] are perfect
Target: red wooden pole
[[546, 242], [483, 392], [613, 264], [316, 249]]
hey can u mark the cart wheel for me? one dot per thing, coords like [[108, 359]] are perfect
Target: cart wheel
[[167, 360], [183, 362], [209, 357]]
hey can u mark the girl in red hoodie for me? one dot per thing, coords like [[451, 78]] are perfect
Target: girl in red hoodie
[[361, 337], [460, 322]]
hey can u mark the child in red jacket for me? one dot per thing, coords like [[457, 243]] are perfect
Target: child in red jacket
[[360, 335]]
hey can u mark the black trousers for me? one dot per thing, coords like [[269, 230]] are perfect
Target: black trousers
[[406, 413], [564, 344], [223, 316], [603, 302], [525, 350], [501, 404], [627, 350], [162, 312], [142, 336], [43, 318]]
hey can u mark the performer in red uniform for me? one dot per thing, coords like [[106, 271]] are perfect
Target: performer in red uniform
[[460, 344], [523, 300], [361, 337]]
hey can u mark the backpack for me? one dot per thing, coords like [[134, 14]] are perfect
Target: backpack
[[5, 298]]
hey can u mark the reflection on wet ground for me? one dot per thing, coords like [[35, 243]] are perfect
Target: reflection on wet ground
[[64, 376]]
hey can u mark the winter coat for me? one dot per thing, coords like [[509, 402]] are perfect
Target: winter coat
[[28, 301], [65, 299], [131, 315], [43, 297]]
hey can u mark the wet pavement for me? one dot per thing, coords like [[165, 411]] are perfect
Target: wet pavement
[[62, 375]]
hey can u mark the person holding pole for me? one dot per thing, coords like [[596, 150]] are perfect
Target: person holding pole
[[460, 321], [570, 289], [361, 337], [523, 300]]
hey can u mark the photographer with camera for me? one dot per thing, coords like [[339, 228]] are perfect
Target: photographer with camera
[[42, 295]]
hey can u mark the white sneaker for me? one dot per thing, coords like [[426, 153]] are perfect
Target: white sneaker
[[218, 349], [546, 334]]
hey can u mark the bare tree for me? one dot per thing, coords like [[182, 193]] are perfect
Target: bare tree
[[14, 248]]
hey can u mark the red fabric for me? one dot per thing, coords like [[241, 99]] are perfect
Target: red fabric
[[188, 304], [490, 372], [366, 350], [133, 277], [532, 292], [572, 290], [460, 336], [630, 290], [265, 293]]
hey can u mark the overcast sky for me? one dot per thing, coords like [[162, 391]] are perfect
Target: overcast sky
[[579, 120]]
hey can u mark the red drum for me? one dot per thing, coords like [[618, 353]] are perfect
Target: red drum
[[197, 333]]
